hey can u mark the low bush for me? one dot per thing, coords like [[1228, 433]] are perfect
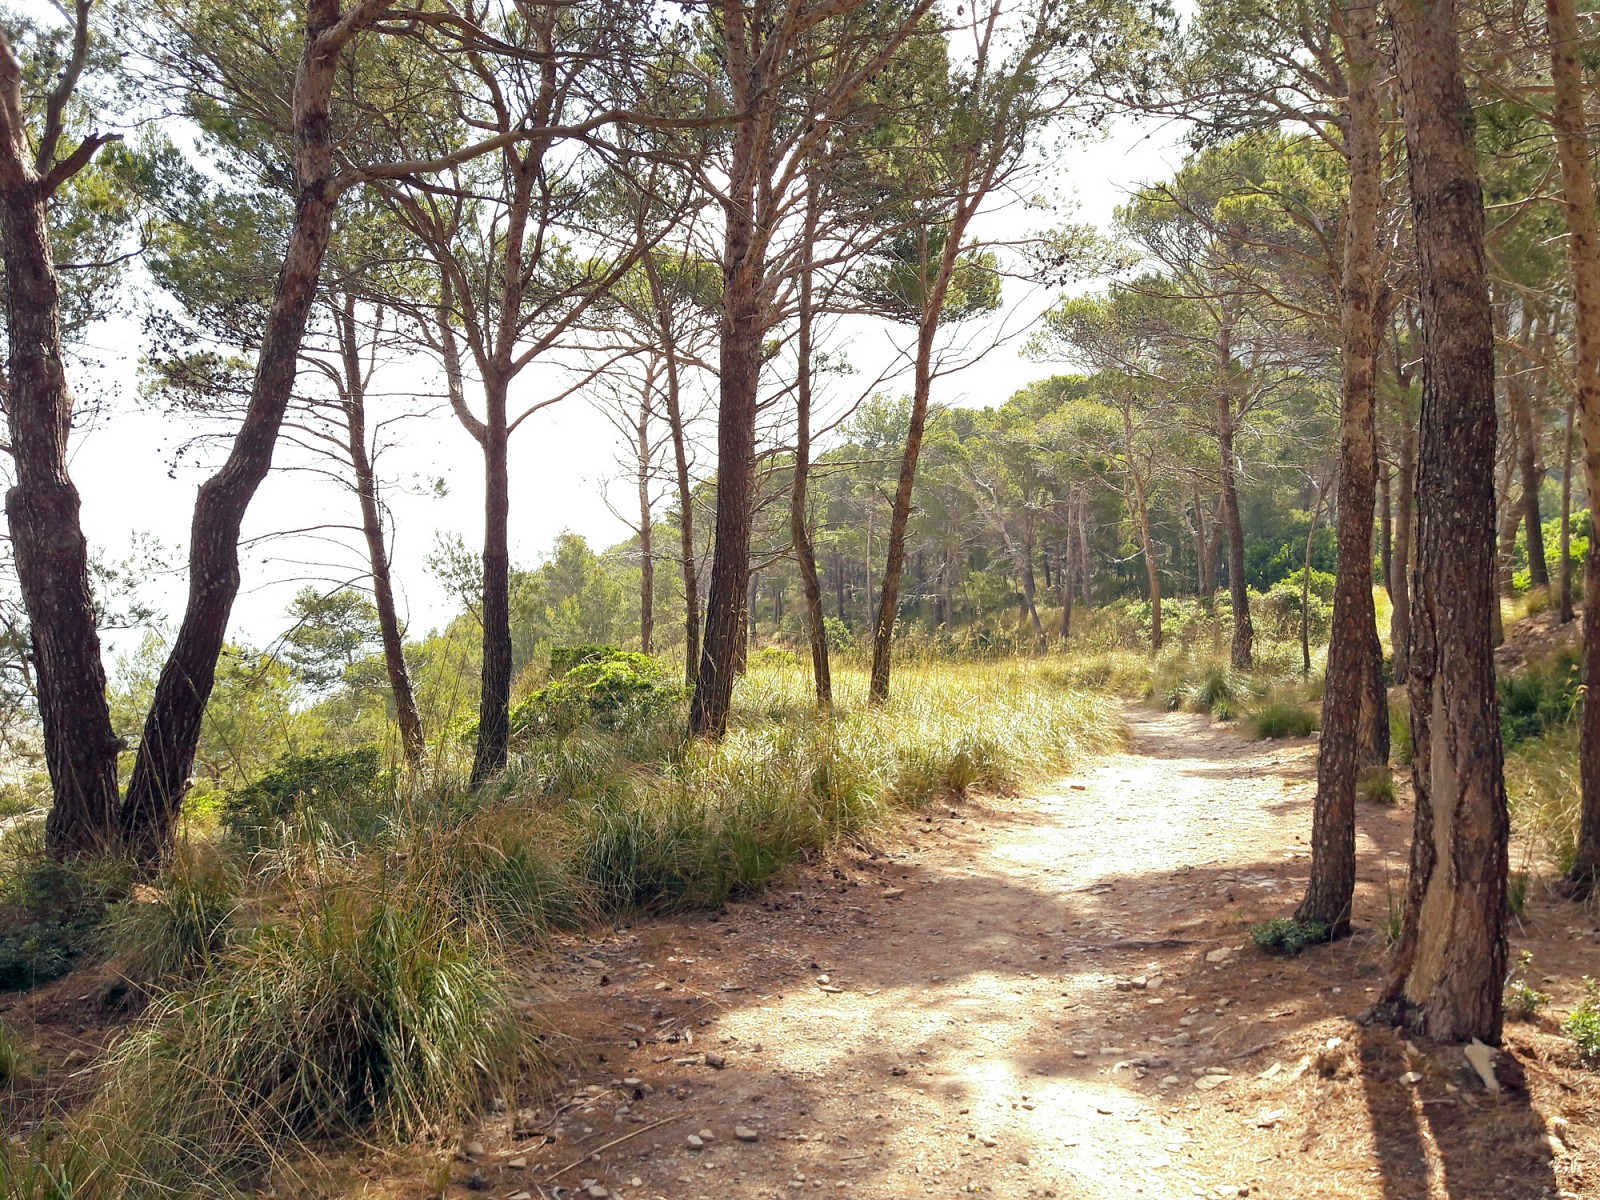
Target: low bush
[[1583, 1024], [1543, 792], [1287, 937], [1539, 698], [333, 780], [1522, 1000], [50, 911], [1282, 719], [604, 687]]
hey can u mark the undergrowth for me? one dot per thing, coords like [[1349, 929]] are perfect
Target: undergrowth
[[336, 956]]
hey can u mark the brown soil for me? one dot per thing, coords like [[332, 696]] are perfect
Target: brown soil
[[1049, 995]]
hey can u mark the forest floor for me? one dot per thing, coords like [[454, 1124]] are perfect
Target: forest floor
[[1042, 995]]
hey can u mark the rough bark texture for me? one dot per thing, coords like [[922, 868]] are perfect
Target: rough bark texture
[[172, 727], [1405, 523], [1583, 252], [42, 507], [1353, 647], [1450, 967], [407, 717]]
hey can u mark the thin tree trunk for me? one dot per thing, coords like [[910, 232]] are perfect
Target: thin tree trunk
[[42, 509], [1566, 516], [172, 727], [1064, 574], [1386, 524], [1405, 536], [1451, 962], [799, 527], [494, 699], [1241, 653], [1583, 252], [1521, 406], [680, 459], [1353, 646], [412, 742], [1305, 579], [647, 558]]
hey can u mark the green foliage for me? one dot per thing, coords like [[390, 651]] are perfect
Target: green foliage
[[1543, 792], [1284, 718], [321, 779], [1540, 697], [49, 911], [331, 633], [603, 686], [1583, 1024], [1288, 937], [1523, 1001]]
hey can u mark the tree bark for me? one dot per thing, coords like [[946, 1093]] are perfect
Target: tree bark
[[1404, 537], [1521, 405], [172, 727], [412, 742], [647, 561], [42, 507], [1353, 647], [1451, 963], [1242, 650], [1583, 253], [494, 698], [1565, 586], [799, 526]]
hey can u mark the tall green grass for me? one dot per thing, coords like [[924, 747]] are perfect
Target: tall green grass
[[345, 966]]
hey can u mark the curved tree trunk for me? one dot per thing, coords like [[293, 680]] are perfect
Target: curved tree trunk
[[42, 507], [172, 727], [1451, 962], [407, 717]]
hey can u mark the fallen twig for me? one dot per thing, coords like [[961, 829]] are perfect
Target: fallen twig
[[588, 1154]]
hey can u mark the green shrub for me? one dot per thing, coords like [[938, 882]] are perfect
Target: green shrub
[[181, 921], [1284, 718], [1583, 1024], [1523, 1001], [334, 779], [1288, 937], [1542, 788], [1539, 698], [49, 911], [606, 687], [774, 658]]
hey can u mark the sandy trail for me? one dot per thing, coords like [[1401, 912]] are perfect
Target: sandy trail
[[1046, 995]]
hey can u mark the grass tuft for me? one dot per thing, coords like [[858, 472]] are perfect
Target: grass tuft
[[1284, 718]]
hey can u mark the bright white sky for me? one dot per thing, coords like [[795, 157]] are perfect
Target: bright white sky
[[562, 461]]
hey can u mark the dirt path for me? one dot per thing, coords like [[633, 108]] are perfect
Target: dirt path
[[1043, 996]]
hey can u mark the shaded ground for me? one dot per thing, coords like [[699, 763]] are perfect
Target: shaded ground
[[1051, 995]]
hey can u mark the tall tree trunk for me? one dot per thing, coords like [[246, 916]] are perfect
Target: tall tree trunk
[[494, 700], [799, 527], [42, 508], [647, 558], [1404, 539], [680, 460], [1353, 647], [1521, 405], [1451, 963], [172, 727], [1242, 651], [1566, 516], [1064, 574], [1386, 523], [407, 717], [1583, 252]]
